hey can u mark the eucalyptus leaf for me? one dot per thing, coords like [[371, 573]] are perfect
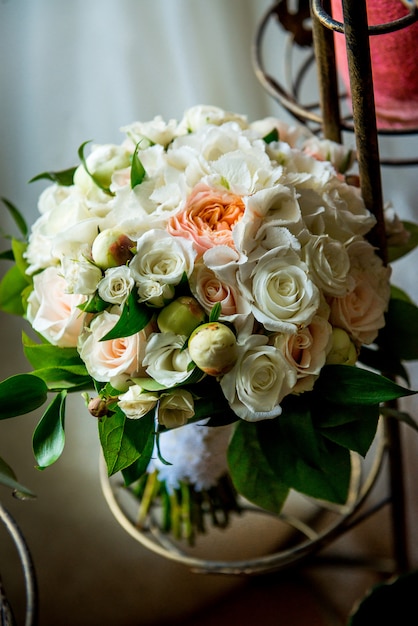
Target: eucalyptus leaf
[[134, 318], [250, 471], [11, 287], [345, 384], [49, 435], [138, 172], [21, 394], [17, 217], [124, 440], [8, 479], [63, 177]]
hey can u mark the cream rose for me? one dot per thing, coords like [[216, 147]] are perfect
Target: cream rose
[[52, 311], [202, 115], [137, 402], [283, 295], [175, 408], [80, 274], [259, 381], [361, 312], [116, 285], [106, 360], [306, 351], [329, 264], [166, 360], [162, 258]]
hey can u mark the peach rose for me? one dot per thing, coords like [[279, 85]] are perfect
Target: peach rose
[[106, 360], [208, 218], [52, 311]]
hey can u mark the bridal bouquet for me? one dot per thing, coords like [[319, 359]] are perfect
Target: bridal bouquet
[[209, 287]]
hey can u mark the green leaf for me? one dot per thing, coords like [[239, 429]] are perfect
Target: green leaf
[[94, 178], [17, 217], [399, 336], [11, 287], [8, 479], [21, 394], [273, 135], [302, 458], [49, 435], [380, 360], [138, 172], [356, 435], [349, 385], [42, 355], [250, 471], [215, 312], [138, 468], [95, 304], [396, 252], [18, 249], [7, 255], [63, 177], [124, 440], [134, 317]]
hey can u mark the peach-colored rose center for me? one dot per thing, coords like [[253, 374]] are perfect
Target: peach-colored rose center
[[208, 217]]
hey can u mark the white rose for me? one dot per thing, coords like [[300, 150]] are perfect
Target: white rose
[[290, 134], [327, 150], [156, 131], [283, 295], [306, 351], [329, 264], [106, 360], [61, 230], [259, 381], [154, 293], [116, 284], [162, 258], [52, 311], [166, 360], [175, 408], [80, 274], [137, 402], [202, 115]]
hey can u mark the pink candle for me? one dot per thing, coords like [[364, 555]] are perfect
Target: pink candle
[[394, 64]]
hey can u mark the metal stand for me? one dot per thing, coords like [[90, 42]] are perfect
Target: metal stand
[[357, 32]]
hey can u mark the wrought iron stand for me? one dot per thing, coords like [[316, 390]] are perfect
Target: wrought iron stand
[[357, 32]]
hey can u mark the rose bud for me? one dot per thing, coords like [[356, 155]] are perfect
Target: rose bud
[[102, 163], [97, 407], [213, 347], [343, 351], [181, 316], [112, 248]]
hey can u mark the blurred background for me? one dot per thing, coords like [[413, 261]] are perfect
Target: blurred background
[[74, 71]]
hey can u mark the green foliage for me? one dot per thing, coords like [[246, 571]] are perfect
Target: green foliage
[[138, 172], [250, 471], [94, 178], [17, 217], [8, 479], [134, 317], [21, 394], [125, 441], [49, 436], [63, 177], [58, 367], [12, 285]]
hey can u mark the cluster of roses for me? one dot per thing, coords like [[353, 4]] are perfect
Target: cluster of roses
[[242, 241]]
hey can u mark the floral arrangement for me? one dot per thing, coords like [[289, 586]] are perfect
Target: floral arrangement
[[209, 287]]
